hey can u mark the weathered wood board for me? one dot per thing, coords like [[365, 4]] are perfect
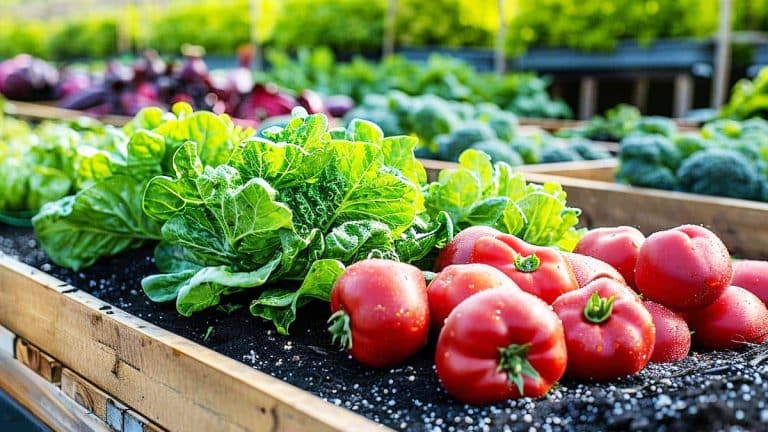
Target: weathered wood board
[[172, 381]]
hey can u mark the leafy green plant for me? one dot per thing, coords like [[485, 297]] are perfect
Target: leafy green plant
[[105, 217]]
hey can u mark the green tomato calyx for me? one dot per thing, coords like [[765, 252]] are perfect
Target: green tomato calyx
[[598, 309], [340, 331], [513, 360], [527, 264]]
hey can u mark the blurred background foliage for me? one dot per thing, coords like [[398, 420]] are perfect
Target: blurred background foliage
[[90, 28]]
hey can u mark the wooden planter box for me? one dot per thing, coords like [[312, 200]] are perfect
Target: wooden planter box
[[79, 363], [133, 375]]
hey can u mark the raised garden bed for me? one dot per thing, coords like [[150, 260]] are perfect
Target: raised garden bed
[[211, 371]]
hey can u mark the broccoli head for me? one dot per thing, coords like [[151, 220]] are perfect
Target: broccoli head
[[432, 117], [689, 144], [722, 173], [499, 152], [451, 145], [652, 149], [504, 123], [589, 150], [559, 154], [638, 172], [656, 125]]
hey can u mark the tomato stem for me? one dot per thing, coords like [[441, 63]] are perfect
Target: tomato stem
[[340, 331], [513, 360], [598, 309], [527, 264]]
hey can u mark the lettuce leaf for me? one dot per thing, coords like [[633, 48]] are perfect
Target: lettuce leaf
[[481, 193], [106, 217], [297, 204]]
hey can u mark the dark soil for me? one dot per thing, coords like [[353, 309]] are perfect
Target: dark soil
[[706, 391]]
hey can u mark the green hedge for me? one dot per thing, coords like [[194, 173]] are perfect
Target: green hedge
[[358, 25]]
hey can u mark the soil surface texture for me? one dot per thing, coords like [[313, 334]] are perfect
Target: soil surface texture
[[707, 391]]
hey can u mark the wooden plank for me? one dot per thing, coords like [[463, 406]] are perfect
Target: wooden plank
[[40, 111], [683, 94], [741, 224], [43, 399], [592, 170], [7, 339], [84, 393], [587, 97], [40, 362], [174, 382], [601, 169]]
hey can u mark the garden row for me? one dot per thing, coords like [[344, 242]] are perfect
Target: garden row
[[228, 212], [291, 24]]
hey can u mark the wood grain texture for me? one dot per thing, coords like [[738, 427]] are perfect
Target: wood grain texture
[[43, 399], [592, 170], [741, 224], [174, 382], [84, 393], [40, 362]]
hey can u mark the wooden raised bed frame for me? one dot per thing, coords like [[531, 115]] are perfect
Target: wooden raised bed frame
[[107, 359], [173, 382]]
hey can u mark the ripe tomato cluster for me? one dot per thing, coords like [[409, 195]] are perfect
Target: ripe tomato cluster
[[514, 318]]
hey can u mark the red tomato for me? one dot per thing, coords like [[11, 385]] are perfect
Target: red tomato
[[608, 331], [500, 344], [684, 268], [673, 338], [618, 246], [541, 271], [457, 282], [458, 250], [753, 277], [736, 317], [380, 311], [587, 269]]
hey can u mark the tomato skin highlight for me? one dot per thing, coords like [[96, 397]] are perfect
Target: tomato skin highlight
[[684, 268], [467, 355], [386, 302], [458, 282], [587, 269], [673, 337], [617, 246], [736, 317], [458, 250], [752, 276], [618, 346], [552, 277]]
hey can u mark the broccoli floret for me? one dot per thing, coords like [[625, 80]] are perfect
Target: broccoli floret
[[559, 154], [690, 144], [499, 152], [722, 173], [528, 148], [653, 149], [386, 120], [638, 172], [504, 123], [451, 145], [656, 125], [432, 117], [589, 150]]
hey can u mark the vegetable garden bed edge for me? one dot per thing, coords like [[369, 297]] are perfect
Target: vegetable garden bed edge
[[174, 382]]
